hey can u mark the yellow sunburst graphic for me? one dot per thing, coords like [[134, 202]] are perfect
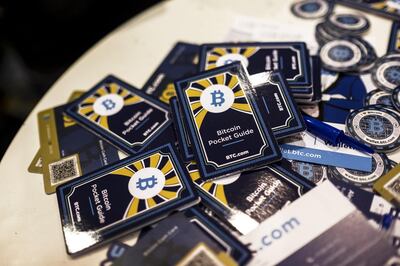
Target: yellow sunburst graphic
[[214, 190], [86, 107], [213, 55], [196, 88], [170, 191], [384, 6], [168, 93], [68, 122]]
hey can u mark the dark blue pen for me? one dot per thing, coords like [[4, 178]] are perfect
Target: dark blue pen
[[333, 135]]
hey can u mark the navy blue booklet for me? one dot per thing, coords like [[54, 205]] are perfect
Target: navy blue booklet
[[123, 197], [121, 114], [228, 131]]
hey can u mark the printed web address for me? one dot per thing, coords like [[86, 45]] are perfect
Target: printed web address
[[301, 153]]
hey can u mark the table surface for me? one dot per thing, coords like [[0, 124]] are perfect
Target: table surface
[[30, 228]]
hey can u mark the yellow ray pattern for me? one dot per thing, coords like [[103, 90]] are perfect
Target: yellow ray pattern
[[220, 79], [154, 160], [239, 94], [220, 194], [250, 51], [195, 175], [192, 92], [204, 82], [167, 168], [104, 121], [151, 203], [102, 91], [133, 208], [167, 194], [221, 51], [138, 165], [90, 100], [195, 105], [68, 121], [172, 181], [132, 100], [206, 186], [200, 117], [244, 107], [124, 172], [86, 110], [233, 82]]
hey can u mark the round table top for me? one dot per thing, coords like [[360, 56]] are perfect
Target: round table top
[[30, 227]]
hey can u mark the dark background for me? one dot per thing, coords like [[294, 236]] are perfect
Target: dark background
[[40, 39]]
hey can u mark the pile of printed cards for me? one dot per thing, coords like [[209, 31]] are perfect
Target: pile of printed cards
[[193, 160]]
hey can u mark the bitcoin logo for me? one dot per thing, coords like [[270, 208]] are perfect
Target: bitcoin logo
[[375, 126], [144, 183], [310, 7], [108, 104], [230, 58], [341, 53], [350, 20], [392, 74], [311, 172], [217, 98], [306, 171]]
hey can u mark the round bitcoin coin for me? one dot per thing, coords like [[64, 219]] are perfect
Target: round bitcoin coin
[[376, 127]]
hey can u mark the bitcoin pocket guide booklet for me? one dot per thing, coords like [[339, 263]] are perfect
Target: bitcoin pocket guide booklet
[[228, 131], [123, 197], [121, 114]]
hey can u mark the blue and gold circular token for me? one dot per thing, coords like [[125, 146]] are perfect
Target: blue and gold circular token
[[341, 55], [378, 97], [386, 72], [349, 24], [311, 9], [380, 166], [376, 127], [396, 98]]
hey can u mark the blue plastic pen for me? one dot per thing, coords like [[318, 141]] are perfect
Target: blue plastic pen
[[333, 135]]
